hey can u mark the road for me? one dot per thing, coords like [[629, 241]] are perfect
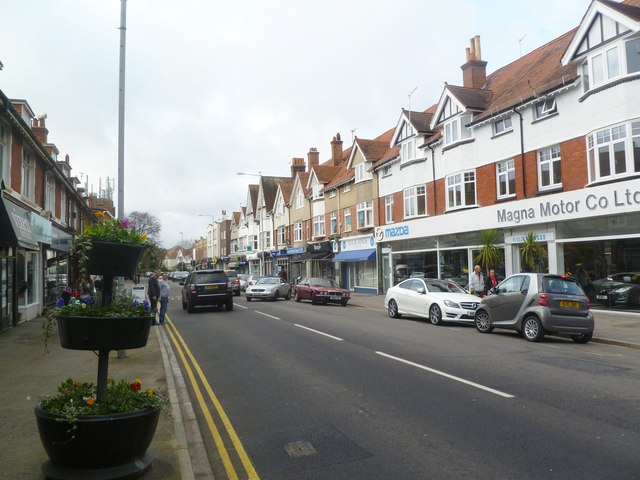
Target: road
[[296, 391]]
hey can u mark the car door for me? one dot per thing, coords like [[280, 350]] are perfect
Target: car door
[[507, 301], [414, 299]]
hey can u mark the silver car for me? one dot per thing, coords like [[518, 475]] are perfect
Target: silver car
[[269, 288], [535, 304]]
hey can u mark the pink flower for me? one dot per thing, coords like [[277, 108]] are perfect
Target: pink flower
[[125, 223]]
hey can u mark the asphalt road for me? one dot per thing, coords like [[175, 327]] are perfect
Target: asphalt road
[[300, 391]]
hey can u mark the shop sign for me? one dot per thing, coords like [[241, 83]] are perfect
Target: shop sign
[[41, 228], [357, 243], [296, 250], [392, 232], [539, 236], [319, 247]]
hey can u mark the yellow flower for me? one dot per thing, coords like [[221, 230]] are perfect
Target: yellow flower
[[143, 237], [149, 393], [86, 231], [100, 215], [138, 381]]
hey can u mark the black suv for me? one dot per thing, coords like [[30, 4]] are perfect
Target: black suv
[[207, 287]]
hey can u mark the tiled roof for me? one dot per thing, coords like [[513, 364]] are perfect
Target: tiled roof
[[286, 186], [389, 155], [420, 120], [472, 98], [372, 150], [172, 253], [343, 176], [269, 190], [253, 194], [324, 173], [630, 8]]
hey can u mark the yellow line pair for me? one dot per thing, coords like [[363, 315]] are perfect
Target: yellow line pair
[[181, 348]]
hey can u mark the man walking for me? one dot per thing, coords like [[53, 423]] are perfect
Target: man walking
[[164, 296], [476, 282], [154, 292]]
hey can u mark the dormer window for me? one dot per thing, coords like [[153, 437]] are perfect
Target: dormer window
[[362, 174], [457, 130], [503, 125], [299, 200], [317, 191], [281, 207], [545, 108], [408, 150], [611, 63]]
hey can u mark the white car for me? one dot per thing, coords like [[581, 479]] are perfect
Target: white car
[[437, 300], [270, 288]]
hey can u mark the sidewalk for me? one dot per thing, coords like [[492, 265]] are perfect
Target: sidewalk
[[26, 375]]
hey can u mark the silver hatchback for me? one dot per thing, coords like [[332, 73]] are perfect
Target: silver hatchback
[[535, 304]]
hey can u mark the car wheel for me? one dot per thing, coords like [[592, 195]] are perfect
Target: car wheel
[[435, 315], [392, 309], [344, 303], [229, 305], [483, 323], [582, 338], [249, 299], [288, 296], [532, 329], [275, 296], [189, 307], [313, 298], [297, 297]]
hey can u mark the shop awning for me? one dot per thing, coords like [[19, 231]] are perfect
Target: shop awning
[[356, 255], [303, 257], [15, 226]]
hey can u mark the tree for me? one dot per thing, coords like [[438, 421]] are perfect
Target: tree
[[532, 251], [490, 254], [146, 223]]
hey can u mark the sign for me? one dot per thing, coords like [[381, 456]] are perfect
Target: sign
[[296, 250], [392, 232], [539, 236], [41, 228], [319, 247], [357, 243]]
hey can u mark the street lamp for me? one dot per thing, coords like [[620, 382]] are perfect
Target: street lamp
[[260, 242]]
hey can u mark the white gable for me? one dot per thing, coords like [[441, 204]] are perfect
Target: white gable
[[448, 106]]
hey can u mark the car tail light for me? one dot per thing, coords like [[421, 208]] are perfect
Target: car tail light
[[237, 281], [192, 288], [543, 300]]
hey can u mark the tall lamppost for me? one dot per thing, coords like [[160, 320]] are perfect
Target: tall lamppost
[[260, 242]]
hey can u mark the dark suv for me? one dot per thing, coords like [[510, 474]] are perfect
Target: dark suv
[[207, 287], [235, 281]]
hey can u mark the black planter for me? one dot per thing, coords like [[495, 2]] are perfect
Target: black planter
[[97, 447], [111, 258], [103, 333]]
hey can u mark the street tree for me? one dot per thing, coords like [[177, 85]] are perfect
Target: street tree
[[146, 223]]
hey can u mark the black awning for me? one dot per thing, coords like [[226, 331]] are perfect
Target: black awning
[[303, 257], [15, 226]]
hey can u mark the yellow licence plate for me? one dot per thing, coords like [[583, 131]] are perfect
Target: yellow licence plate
[[569, 304], [211, 287]]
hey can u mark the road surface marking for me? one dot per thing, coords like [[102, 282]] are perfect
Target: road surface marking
[[319, 332], [452, 377], [266, 315]]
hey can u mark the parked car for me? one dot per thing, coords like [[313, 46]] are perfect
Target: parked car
[[247, 280], [269, 288], [535, 304], [321, 290], [206, 288], [618, 289], [235, 281], [179, 276], [437, 300]]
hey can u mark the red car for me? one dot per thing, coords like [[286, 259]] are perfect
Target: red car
[[321, 290]]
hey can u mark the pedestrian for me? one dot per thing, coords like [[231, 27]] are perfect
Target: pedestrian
[[154, 293], [164, 296], [283, 274], [491, 282], [476, 282]]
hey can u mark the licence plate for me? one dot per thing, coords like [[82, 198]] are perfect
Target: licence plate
[[601, 297], [569, 304], [335, 297], [211, 287]]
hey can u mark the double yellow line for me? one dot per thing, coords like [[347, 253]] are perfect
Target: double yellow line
[[182, 349]]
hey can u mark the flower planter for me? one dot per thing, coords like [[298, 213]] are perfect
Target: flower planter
[[97, 447], [103, 333], [111, 258]]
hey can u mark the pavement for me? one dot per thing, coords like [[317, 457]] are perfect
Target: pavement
[[27, 374]]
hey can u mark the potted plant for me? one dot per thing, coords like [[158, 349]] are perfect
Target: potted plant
[[532, 251], [489, 255]]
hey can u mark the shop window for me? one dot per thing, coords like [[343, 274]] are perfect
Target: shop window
[[549, 171], [26, 277]]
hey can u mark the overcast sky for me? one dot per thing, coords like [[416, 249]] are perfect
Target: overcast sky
[[214, 88]]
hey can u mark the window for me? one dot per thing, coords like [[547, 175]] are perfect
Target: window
[[280, 211], [333, 193], [461, 190], [506, 178], [612, 63], [28, 175], [318, 226], [502, 126], [415, 201], [317, 191], [254, 240], [545, 108], [333, 223], [409, 150], [63, 206], [50, 193], [297, 232], [632, 51], [282, 235], [267, 239], [388, 209], [549, 173], [347, 219], [612, 152], [3, 161], [456, 130], [386, 170], [346, 188], [365, 214], [361, 173], [299, 200]]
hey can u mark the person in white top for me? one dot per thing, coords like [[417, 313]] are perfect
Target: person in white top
[[476, 282]]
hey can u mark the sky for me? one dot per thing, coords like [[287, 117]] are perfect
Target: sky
[[214, 88]]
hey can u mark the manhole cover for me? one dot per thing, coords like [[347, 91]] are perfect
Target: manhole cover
[[300, 449]]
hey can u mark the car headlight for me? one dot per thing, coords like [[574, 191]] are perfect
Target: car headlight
[[451, 304], [623, 290]]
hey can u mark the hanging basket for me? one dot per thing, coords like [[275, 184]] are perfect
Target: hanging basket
[[103, 333], [111, 258]]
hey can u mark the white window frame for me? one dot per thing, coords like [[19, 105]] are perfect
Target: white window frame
[[502, 126], [386, 171], [297, 232], [317, 191], [506, 178], [346, 188], [545, 108], [362, 175], [299, 200], [333, 193], [408, 150], [413, 205], [613, 141], [457, 185], [50, 193], [347, 219], [388, 209], [364, 214], [455, 130], [318, 226], [282, 235], [549, 161], [63, 206], [333, 222], [28, 186], [611, 56], [281, 208]]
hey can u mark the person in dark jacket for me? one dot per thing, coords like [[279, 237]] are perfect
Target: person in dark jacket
[[154, 291], [491, 281]]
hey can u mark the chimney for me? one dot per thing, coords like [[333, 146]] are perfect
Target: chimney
[[313, 158], [297, 166], [66, 158], [336, 150], [39, 129], [474, 71]]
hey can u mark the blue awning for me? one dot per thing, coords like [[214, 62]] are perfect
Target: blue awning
[[356, 255]]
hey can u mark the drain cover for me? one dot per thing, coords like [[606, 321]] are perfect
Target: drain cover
[[300, 449]]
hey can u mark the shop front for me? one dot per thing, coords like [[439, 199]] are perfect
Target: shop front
[[314, 262], [56, 265], [590, 233], [355, 259]]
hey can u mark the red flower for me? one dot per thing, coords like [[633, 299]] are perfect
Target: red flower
[[136, 386]]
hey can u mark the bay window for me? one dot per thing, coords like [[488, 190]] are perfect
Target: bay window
[[614, 151], [361, 173], [456, 130]]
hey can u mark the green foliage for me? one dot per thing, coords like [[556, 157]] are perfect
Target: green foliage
[[531, 251], [490, 254]]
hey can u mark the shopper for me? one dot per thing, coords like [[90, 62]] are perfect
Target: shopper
[[164, 296], [476, 282]]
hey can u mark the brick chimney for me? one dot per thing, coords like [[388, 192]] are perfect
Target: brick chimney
[[313, 158], [297, 166], [474, 72], [39, 129], [336, 150]]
